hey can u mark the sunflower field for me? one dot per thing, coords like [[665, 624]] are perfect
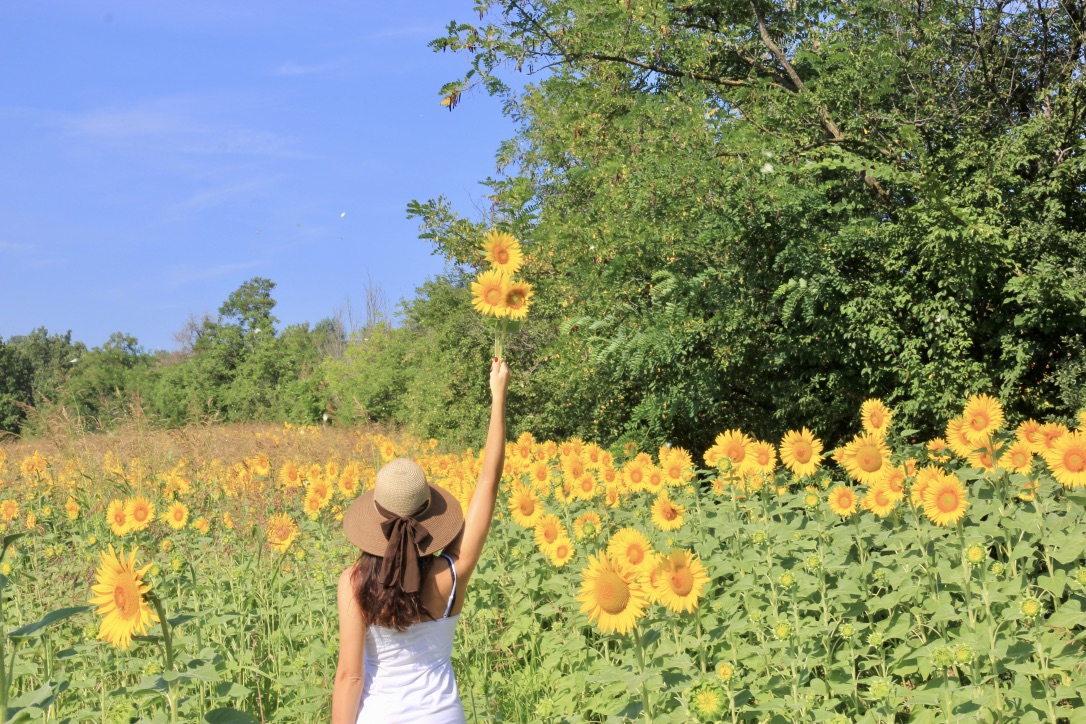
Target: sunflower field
[[190, 575]]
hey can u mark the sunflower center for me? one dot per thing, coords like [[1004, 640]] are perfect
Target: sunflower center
[[979, 422], [877, 419], [493, 296], [844, 499], [501, 255], [119, 518], [140, 514], [668, 512], [636, 476], [586, 484], [562, 551], [635, 554], [869, 459], [801, 451], [682, 582], [527, 507], [1075, 460], [947, 501], [550, 534], [612, 592], [514, 299], [736, 453]]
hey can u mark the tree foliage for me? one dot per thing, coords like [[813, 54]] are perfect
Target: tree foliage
[[759, 214]]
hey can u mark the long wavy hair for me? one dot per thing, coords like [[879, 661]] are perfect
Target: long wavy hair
[[383, 605]]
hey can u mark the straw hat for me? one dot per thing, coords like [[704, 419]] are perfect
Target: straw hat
[[401, 489]]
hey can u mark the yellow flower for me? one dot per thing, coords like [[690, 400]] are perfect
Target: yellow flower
[[1029, 432], [679, 580], [503, 252], [866, 458], [72, 509], [9, 509], [707, 702], [518, 297], [956, 438], [525, 507], [725, 671], [118, 594], [289, 475], [801, 452], [280, 531], [117, 517], [1050, 432], [177, 515], [678, 467], [842, 501], [875, 417], [587, 525], [31, 520], [667, 514], [1018, 457], [631, 548], [945, 500], [488, 293], [1067, 459], [548, 529], [140, 512], [983, 415], [880, 500], [612, 594], [763, 457], [733, 446], [560, 552], [202, 524]]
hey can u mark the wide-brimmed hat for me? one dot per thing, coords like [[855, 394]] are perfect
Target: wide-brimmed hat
[[401, 491]]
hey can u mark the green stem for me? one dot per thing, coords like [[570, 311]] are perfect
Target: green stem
[[167, 641], [641, 670]]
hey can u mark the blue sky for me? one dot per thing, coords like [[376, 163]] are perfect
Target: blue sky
[[157, 154]]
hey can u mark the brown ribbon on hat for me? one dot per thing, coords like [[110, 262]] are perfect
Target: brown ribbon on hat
[[400, 566]]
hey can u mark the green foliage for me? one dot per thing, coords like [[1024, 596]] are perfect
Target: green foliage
[[849, 200], [16, 387]]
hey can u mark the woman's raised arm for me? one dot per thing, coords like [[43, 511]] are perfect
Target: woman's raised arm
[[469, 546]]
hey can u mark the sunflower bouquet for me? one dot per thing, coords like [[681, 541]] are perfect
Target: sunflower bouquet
[[502, 299]]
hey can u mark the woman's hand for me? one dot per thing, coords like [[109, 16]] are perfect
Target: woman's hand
[[499, 378]]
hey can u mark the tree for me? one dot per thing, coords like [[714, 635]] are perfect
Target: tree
[[758, 214]]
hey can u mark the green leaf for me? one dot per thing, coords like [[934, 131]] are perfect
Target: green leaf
[[52, 617], [228, 715]]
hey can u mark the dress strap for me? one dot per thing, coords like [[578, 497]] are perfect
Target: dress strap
[[452, 595]]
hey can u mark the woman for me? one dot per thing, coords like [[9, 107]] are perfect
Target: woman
[[398, 605]]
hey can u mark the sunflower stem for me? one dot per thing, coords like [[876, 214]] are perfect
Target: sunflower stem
[[167, 641], [641, 670]]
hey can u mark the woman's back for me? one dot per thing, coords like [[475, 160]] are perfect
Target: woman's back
[[412, 669]]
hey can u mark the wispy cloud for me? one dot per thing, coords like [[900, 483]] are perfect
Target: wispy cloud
[[290, 68], [186, 124], [211, 197], [188, 273]]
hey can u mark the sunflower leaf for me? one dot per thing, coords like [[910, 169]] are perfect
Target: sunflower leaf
[[50, 618]]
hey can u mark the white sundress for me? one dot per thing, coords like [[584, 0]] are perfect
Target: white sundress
[[408, 675]]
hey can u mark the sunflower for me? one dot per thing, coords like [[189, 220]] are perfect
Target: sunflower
[[518, 297], [574, 466], [944, 500], [177, 515], [289, 475], [925, 476], [667, 514], [202, 524], [503, 252], [956, 438], [1067, 459], [762, 457], [801, 452], [986, 457], [678, 467], [140, 512], [612, 594], [733, 446], [525, 507], [679, 580], [983, 415], [875, 417], [880, 500], [539, 473], [488, 293], [631, 548], [584, 487], [1018, 457], [9, 509], [587, 525], [311, 504], [115, 515], [612, 496], [866, 458], [842, 500], [1029, 432], [635, 473], [280, 531], [560, 552], [707, 702], [1050, 432], [118, 594], [938, 450], [548, 529], [72, 509]]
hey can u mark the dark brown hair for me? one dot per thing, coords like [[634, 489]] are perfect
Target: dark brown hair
[[383, 605]]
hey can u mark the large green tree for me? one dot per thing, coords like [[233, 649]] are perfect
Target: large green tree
[[760, 213]]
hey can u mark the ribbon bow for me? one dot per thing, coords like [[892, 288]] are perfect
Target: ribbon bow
[[400, 566]]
